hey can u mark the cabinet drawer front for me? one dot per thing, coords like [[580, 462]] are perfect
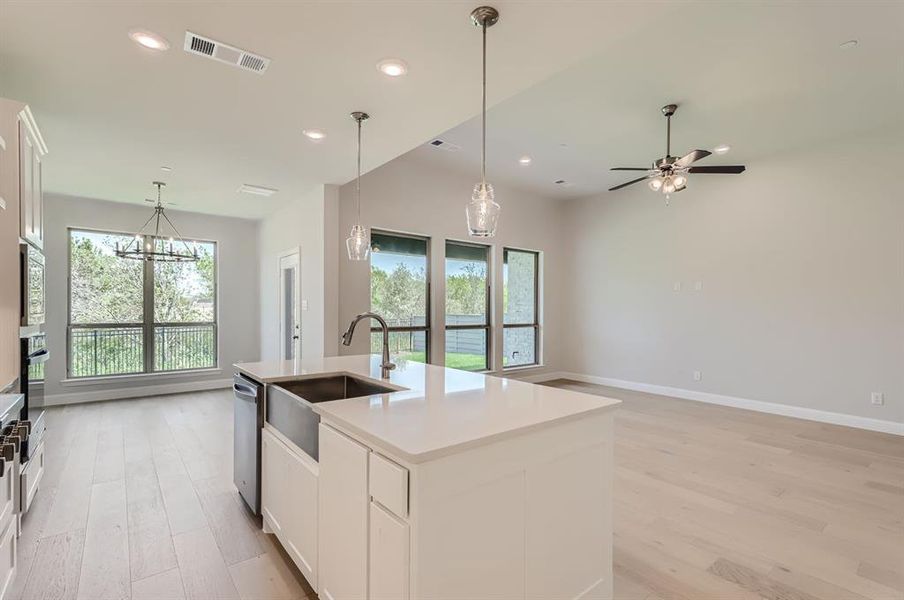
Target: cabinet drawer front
[[389, 484]]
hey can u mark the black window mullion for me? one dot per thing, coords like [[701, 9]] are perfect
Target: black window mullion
[[148, 311]]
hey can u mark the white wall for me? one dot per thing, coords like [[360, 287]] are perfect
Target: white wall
[[411, 195], [300, 223], [237, 281], [801, 261]]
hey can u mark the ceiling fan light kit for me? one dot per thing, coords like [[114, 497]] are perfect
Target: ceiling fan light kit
[[669, 175]]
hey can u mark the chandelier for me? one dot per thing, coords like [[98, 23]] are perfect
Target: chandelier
[[153, 246]]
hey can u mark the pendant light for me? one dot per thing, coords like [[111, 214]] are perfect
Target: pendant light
[[358, 242], [482, 211], [150, 245]]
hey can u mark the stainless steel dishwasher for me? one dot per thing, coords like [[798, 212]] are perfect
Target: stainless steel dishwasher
[[249, 419]]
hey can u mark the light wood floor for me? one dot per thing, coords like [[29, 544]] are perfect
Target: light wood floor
[[710, 502], [716, 502], [138, 502]]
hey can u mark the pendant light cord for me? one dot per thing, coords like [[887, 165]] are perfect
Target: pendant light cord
[[483, 145], [358, 179]]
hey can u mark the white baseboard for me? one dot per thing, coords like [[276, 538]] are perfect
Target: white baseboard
[[540, 377], [787, 410], [135, 392]]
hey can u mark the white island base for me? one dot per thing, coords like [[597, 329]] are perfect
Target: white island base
[[524, 514]]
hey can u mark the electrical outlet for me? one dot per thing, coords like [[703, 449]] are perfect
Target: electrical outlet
[[698, 375], [877, 398]]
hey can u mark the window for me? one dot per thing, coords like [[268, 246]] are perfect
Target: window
[[521, 325], [128, 316], [400, 293], [467, 306]]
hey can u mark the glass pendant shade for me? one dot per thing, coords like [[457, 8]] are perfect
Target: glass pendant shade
[[358, 244], [656, 184], [483, 212]]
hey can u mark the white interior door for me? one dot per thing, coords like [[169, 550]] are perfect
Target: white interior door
[[289, 306]]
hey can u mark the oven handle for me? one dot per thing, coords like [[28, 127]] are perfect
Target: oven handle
[[38, 356]]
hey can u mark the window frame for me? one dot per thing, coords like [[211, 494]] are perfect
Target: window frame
[[428, 274], [148, 323], [487, 326], [535, 325]]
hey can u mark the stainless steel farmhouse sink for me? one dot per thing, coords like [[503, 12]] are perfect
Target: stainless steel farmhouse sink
[[290, 405]]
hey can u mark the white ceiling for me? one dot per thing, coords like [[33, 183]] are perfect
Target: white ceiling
[[112, 113], [765, 78]]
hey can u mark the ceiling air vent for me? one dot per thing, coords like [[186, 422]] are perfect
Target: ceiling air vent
[[444, 145], [257, 190], [224, 53]]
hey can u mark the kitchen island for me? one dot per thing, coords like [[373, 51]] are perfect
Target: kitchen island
[[447, 484]]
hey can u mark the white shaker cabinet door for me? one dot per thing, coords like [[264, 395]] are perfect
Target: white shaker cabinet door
[[274, 472], [27, 160], [301, 517], [388, 555], [7, 559], [344, 505]]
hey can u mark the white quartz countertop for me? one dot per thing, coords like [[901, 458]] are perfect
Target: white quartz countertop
[[437, 411]]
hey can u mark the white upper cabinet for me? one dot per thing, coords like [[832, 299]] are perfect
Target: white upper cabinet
[[31, 196]]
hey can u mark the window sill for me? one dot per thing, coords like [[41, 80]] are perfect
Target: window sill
[[521, 368], [74, 382]]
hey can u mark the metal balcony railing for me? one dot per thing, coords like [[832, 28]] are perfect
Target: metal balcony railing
[[98, 350]]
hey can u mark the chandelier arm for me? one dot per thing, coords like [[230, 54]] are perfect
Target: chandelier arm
[[140, 233], [178, 235]]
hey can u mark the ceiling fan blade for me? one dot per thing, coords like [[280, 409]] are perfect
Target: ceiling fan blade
[[692, 156], [630, 169], [726, 169], [618, 187]]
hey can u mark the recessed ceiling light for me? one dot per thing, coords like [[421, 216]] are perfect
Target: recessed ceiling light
[[393, 67], [848, 44], [721, 148], [314, 134], [166, 169], [524, 160], [148, 39]]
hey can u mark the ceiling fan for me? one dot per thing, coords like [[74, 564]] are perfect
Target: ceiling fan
[[669, 175]]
